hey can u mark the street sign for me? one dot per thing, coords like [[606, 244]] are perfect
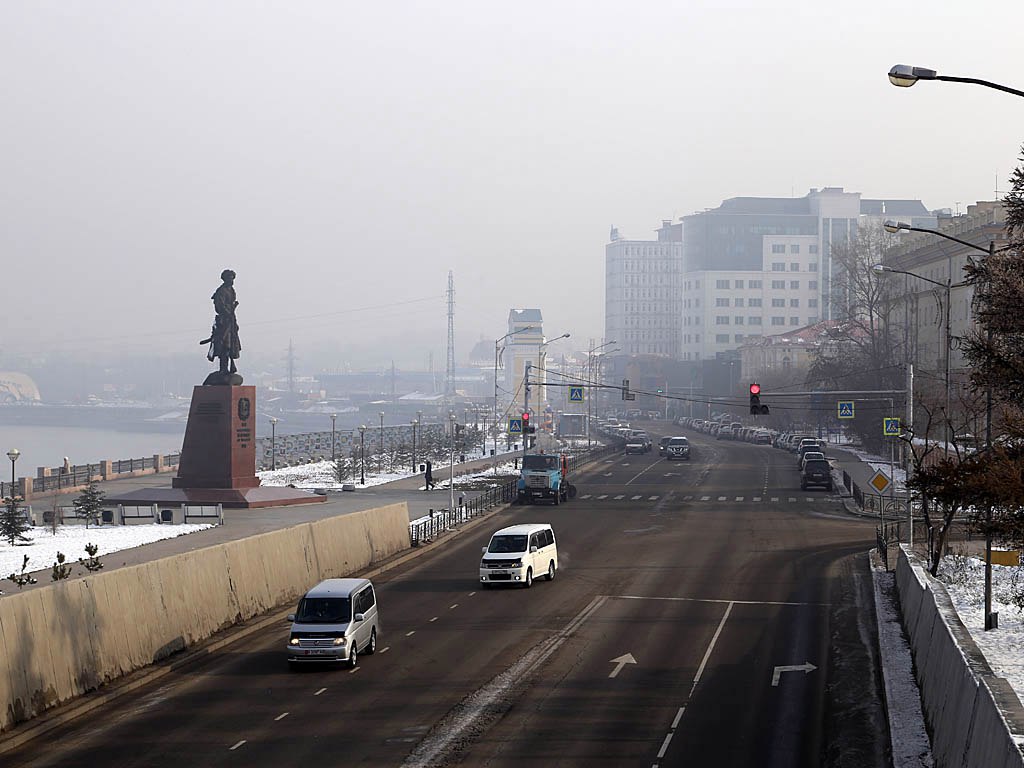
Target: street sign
[[880, 482], [845, 409], [891, 426], [575, 394], [515, 426]]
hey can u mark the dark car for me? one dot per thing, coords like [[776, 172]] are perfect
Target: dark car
[[677, 448], [661, 445], [816, 472]]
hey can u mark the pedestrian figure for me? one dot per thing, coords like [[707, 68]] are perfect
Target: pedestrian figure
[[429, 478]]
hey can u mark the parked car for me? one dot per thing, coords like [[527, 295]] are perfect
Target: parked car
[[816, 472], [809, 456], [661, 445]]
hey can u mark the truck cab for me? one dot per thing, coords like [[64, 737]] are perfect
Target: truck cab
[[544, 476]]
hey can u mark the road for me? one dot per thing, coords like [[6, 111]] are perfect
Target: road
[[705, 613]]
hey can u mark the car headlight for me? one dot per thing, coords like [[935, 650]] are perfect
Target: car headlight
[[340, 640], [517, 564], [293, 640]]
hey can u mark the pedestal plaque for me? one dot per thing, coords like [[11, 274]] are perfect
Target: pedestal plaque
[[220, 440]]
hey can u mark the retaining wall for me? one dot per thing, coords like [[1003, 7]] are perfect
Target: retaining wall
[[975, 718], [69, 638]]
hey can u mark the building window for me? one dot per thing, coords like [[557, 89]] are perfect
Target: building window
[[754, 284], [794, 302], [737, 321], [812, 284], [794, 321], [812, 302], [739, 302], [738, 337], [778, 321], [794, 266], [794, 248], [778, 247], [778, 285], [778, 302], [721, 302], [753, 321], [721, 320], [794, 284], [778, 266], [721, 283], [737, 283], [812, 248], [812, 267], [696, 284], [754, 303], [812, 319], [722, 338]]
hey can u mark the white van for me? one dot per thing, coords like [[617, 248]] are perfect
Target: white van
[[336, 621], [518, 553]]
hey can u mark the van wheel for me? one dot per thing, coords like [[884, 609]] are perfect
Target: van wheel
[[372, 647], [353, 657], [529, 578], [551, 571]]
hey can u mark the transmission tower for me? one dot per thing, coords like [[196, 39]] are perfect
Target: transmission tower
[[290, 360], [449, 378]]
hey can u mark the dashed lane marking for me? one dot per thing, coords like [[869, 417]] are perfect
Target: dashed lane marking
[[282, 716], [237, 745], [636, 498], [410, 634], [602, 496], [320, 691], [620, 497]]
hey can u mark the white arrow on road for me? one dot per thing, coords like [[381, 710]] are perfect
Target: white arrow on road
[[806, 668], [621, 662]]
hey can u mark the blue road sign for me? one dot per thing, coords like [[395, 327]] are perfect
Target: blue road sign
[[891, 426], [575, 394], [515, 426], [845, 409]]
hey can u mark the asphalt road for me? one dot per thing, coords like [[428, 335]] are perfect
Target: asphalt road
[[706, 613]]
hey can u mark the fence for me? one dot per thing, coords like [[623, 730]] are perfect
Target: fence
[[77, 475]]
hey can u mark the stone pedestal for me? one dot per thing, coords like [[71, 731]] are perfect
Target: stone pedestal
[[220, 440]]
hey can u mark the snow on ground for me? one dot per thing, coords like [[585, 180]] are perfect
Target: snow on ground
[[71, 540], [320, 474], [893, 471]]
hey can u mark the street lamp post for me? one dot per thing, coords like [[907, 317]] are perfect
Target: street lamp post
[[273, 443], [905, 75], [380, 459], [13, 455], [451, 462], [362, 454], [541, 375], [590, 380], [334, 418], [497, 347], [415, 423]]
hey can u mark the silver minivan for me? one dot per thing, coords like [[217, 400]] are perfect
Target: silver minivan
[[335, 621]]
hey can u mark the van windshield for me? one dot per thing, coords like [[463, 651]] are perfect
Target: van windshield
[[324, 610], [508, 543]]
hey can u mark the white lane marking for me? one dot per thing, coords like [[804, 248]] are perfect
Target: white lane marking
[[645, 469], [652, 498], [452, 606], [809, 498], [354, 670], [739, 498], [282, 716], [585, 496], [696, 680], [466, 715], [620, 496], [757, 498], [620, 662], [721, 498], [705, 498], [806, 668], [471, 594], [385, 649], [774, 498], [607, 474], [435, 618], [715, 600], [602, 496], [320, 691], [636, 498], [237, 745], [687, 498], [792, 499], [410, 634]]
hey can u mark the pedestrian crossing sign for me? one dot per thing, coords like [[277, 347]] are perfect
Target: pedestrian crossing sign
[[891, 426], [845, 408], [575, 394], [515, 426]]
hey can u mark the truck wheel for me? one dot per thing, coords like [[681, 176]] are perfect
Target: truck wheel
[[572, 491], [558, 495]]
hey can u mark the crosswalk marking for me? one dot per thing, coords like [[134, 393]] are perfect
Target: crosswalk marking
[[652, 498], [620, 496], [775, 498], [739, 498], [687, 498], [602, 496], [585, 496], [731, 499], [792, 499], [705, 498], [757, 498], [721, 498], [636, 498]]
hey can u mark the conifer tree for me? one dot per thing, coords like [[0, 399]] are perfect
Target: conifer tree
[[13, 524], [89, 503]]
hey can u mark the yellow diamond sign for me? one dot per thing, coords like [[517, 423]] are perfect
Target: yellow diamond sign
[[880, 482]]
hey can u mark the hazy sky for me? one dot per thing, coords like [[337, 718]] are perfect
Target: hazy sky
[[343, 156]]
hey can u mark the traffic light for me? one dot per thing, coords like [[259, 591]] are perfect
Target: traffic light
[[528, 429], [756, 409]]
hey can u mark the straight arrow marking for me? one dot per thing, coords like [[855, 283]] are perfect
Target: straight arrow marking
[[621, 662]]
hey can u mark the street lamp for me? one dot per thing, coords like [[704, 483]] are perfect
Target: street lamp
[[904, 76], [273, 443], [590, 380], [380, 458], [497, 346], [541, 375], [451, 462], [13, 455], [334, 418], [415, 423], [362, 454]]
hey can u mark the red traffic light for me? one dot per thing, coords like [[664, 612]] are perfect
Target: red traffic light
[[526, 417], [755, 389]]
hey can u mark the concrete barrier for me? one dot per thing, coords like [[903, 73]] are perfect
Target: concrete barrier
[[975, 718], [73, 636]]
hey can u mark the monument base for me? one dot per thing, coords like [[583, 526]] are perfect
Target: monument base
[[229, 498]]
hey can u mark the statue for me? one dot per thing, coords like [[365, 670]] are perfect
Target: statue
[[223, 341]]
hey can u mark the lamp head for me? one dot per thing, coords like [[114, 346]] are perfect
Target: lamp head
[[880, 268], [13, 454], [895, 226], [904, 75]]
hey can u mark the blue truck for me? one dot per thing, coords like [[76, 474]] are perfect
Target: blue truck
[[544, 476]]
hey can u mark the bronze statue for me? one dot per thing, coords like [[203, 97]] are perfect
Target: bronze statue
[[223, 341]]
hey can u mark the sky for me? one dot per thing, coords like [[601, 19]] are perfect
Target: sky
[[343, 157]]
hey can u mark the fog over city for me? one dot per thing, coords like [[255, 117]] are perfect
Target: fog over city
[[343, 157]]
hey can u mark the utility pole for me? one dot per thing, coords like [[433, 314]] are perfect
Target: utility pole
[[906, 460], [449, 381], [526, 403]]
